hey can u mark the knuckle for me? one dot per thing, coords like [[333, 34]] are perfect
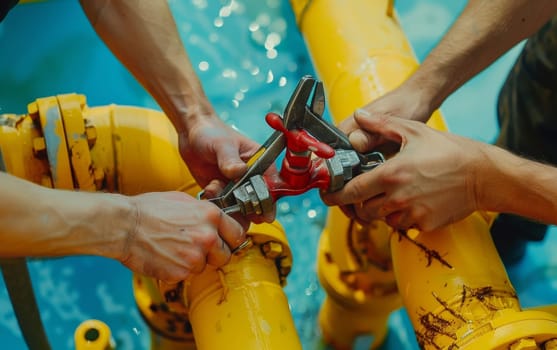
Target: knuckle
[[391, 176], [213, 214], [396, 203], [224, 260], [208, 241], [195, 258], [181, 274], [356, 187]]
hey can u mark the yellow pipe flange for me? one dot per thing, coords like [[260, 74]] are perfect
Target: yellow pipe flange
[[170, 326], [513, 330], [23, 149], [46, 110], [71, 106]]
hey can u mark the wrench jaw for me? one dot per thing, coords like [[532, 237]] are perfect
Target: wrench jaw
[[295, 110]]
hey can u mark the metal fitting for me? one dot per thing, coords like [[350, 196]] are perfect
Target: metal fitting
[[254, 197], [271, 250]]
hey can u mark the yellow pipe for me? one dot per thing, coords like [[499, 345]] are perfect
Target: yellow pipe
[[452, 282], [93, 335], [233, 297], [241, 305], [62, 143]]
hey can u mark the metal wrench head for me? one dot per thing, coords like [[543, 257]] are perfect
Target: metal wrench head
[[294, 113]]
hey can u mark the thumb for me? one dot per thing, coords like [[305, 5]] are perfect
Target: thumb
[[390, 128], [229, 161]]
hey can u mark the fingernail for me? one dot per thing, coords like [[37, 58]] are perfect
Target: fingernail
[[358, 137], [362, 112]]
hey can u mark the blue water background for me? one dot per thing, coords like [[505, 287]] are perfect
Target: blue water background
[[48, 48]]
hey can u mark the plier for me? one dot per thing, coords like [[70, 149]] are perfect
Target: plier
[[302, 130]]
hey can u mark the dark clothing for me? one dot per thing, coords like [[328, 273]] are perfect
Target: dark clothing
[[527, 113], [5, 7]]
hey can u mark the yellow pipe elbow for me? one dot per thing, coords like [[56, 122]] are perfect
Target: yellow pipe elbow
[[63, 143], [137, 151]]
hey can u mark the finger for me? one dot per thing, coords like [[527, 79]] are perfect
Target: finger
[[393, 219], [241, 219], [198, 261], [230, 230], [392, 128], [348, 125], [213, 189], [372, 208], [219, 254], [229, 161], [363, 141], [348, 210], [358, 190], [399, 220]]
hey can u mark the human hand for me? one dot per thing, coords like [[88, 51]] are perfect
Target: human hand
[[406, 102], [175, 236], [214, 151], [428, 184], [216, 154]]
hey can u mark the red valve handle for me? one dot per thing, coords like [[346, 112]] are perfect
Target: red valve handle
[[299, 140]]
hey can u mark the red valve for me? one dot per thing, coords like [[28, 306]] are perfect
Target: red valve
[[299, 140], [300, 172]]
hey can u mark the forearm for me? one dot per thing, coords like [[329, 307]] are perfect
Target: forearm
[[142, 34], [512, 184], [483, 32], [41, 222]]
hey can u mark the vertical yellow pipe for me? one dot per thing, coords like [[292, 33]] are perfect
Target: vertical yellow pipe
[[354, 268], [242, 305], [452, 281], [359, 52], [358, 49]]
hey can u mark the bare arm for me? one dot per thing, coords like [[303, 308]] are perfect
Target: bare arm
[[511, 184], [43, 222], [142, 34], [482, 33], [166, 235]]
